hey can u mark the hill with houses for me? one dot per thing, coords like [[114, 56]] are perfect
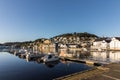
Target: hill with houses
[[74, 38], [71, 40], [66, 38]]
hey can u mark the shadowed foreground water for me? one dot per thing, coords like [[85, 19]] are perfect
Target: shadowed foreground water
[[15, 68]]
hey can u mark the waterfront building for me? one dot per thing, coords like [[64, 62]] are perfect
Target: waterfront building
[[62, 45], [72, 45], [101, 44], [115, 43], [47, 46], [106, 44]]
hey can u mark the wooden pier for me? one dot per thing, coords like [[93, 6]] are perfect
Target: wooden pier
[[103, 71], [84, 74], [91, 62]]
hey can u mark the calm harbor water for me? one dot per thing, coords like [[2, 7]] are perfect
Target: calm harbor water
[[15, 68], [102, 56], [108, 56]]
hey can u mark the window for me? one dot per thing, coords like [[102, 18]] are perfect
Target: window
[[50, 56]]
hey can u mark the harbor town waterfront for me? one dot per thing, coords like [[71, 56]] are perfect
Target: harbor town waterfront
[[60, 58], [18, 67], [59, 39]]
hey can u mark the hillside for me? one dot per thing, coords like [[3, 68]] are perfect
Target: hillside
[[85, 34], [73, 38]]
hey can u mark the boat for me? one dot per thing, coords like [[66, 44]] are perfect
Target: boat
[[50, 58], [19, 52], [31, 55]]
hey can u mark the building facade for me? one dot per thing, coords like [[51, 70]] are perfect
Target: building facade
[[115, 43]]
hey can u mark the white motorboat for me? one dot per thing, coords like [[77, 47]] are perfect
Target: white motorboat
[[50, 58], [34, 55], [19, 52]]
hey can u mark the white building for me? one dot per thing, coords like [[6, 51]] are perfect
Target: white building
[[62, 45], [104, 43], [100, 44], [115, 43], [72, 45]]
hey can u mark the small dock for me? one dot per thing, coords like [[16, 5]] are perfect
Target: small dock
[[112, 74], [91, 62], [109, 71], [84, 74]]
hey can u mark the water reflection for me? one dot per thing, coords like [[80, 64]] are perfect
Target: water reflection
[[114, 56], [74, 53], [36, 60], [107, 56], [15, 68], [47, 64], [52, 64]]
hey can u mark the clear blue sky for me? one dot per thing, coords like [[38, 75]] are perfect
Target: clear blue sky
[[24, 20]]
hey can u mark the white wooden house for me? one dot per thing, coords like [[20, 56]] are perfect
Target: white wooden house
[[115, 43], [99, 44]]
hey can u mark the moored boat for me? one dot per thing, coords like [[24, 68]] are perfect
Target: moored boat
[[50, 58]]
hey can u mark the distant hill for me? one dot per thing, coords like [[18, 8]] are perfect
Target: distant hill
[[67, 38], [74, 38], [85, 34]]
